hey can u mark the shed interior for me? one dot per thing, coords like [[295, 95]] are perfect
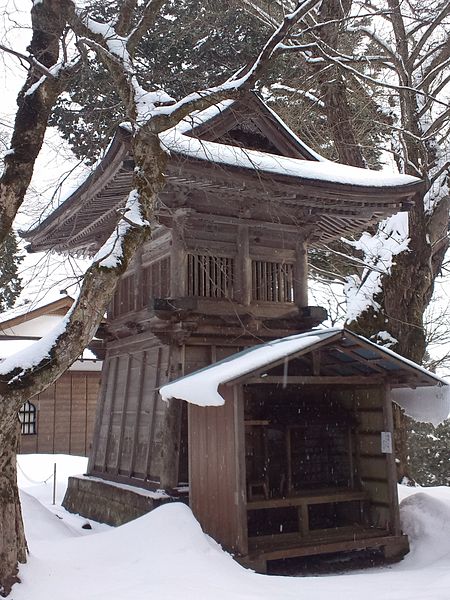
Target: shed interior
[[313, 462]]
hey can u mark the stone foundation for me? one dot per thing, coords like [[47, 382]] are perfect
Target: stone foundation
[[107, 502]]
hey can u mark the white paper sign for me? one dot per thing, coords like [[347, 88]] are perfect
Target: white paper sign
[[386, 442]]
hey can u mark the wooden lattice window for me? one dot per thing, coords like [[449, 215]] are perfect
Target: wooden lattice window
[[210, 276], [272, 281], [27, 417], [155, 281]]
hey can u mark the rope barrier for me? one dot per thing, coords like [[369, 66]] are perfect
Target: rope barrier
[[32, 480]]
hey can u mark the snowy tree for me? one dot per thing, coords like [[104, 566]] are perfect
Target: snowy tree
[[401, 56], [64, 36]]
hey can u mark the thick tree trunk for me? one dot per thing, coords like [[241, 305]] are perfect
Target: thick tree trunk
[[407, 292], [13, 547], [334, 90]]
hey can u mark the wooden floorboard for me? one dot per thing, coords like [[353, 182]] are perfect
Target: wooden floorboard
[[323, 542]]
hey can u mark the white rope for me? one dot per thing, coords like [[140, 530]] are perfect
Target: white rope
[[32, 480]]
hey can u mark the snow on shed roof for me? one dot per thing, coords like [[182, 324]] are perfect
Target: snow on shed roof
[[202, 387]]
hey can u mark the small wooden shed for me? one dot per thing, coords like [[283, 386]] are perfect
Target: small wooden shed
[[291, 446]]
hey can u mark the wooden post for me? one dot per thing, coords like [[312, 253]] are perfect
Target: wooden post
[[243, 275], [170, 445], [117, 467], [140, 397], [241, 476], [391, 469], [301, 274], [178, 262], [99, 413], [152, 414]]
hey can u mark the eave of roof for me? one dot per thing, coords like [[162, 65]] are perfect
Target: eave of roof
[[316, 177]]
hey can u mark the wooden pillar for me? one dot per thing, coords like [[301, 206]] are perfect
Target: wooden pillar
[[388, 423], [301, 274], [241, 476], [178, 262], [171, 445], [171, 427], [243, 274], [100, 409]]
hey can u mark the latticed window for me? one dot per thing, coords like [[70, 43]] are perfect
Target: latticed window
[[210, 276], [27, 417], [272, 282]]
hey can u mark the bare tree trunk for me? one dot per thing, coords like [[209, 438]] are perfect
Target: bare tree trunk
[[333, 88], [13, 547]]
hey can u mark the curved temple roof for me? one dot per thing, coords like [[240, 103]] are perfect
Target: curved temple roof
[[291, 181]]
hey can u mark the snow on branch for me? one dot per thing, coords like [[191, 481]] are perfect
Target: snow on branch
[[27, 359], [111, 253], [31, 60], [378, 251]]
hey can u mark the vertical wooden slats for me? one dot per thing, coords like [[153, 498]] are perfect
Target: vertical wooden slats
[[272, 281], [152, 415], [137, 415], [301, 274], [155, 281], [210, 276], [111, 386], [64, 416]]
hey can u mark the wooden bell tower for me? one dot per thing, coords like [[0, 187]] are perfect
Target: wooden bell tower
[[226, 267]]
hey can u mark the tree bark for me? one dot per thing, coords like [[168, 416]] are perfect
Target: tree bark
[[13, 547]]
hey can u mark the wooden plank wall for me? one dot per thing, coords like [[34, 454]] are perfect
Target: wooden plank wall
[[65, 416], [217, 479], [136, 432], [129, 440]]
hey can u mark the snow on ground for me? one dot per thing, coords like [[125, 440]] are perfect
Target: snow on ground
[[165, 555]]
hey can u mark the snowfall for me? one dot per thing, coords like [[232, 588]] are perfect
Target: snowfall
[[165, 555]]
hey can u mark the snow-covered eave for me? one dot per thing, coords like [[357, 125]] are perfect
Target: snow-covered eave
[[196, 124], [227, 371], [432, 378], [32, 310], [391, 190], [290, 170]]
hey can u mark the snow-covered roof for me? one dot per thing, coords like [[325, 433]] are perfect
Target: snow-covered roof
[[28, 331], [178, 140], [32, 309], [335, 199], [202, 387]]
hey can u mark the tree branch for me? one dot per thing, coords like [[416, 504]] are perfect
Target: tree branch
[[415, 52], [29, 59]]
